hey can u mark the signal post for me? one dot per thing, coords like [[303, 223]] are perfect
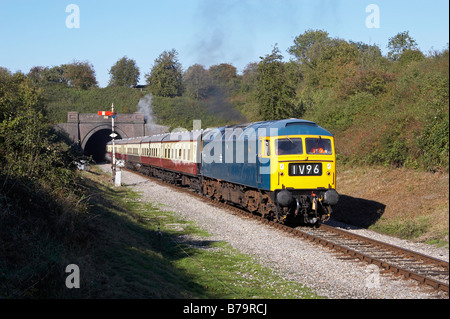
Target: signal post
[[117, 175]]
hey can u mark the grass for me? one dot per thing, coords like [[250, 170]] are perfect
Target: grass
[[403, 228], [141, 251]]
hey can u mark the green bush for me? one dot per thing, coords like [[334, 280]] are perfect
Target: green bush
[[42, 212], [433, 144]]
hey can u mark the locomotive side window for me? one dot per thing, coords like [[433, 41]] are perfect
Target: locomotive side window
[[319, 146], [289, 146]]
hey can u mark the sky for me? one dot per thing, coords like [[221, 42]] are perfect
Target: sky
[[207, 32]]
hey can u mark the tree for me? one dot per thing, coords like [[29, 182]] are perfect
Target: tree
[[328, 62], [165, 78], [223, 76], [43, 76], [399, 43], [124, 73], [370, 56], [274, 93], [81, 75], [196, 82], [304, 42]]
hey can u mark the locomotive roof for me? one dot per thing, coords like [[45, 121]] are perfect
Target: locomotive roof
[[289, 127], [269, 128]]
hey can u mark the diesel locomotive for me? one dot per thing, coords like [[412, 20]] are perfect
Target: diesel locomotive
[[283, 170]]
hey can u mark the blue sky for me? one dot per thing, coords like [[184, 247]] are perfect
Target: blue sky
[[208, 32]]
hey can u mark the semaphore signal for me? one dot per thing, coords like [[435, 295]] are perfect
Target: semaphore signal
[[107, 113], [117, 174]]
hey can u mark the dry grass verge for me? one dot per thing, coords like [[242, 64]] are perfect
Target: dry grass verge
[[405, 203]]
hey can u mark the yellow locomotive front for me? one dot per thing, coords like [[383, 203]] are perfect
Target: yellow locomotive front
[[303, 176]]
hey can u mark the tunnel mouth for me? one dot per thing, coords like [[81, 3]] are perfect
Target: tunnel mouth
[[96, 145]]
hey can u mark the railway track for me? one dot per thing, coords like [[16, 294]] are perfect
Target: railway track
[[409, 264], [424, 269]]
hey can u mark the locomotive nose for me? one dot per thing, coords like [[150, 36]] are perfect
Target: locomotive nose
[[285, 198]]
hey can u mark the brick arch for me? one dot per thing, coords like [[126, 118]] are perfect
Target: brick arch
[[100, 127]]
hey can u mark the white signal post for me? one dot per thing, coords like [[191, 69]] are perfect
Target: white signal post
[[116, 177], [113, 167]]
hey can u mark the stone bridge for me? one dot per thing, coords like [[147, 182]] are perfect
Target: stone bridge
[[91, 131]]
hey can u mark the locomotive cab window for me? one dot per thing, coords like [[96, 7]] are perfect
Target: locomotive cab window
[[289, 146], [318, 146]]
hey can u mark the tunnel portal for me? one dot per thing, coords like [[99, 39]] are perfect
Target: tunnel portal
[[91, 131], [96, 145]]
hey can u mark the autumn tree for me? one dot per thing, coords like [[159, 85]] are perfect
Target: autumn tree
[[81, 75], [165, 77], [124, 73]]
